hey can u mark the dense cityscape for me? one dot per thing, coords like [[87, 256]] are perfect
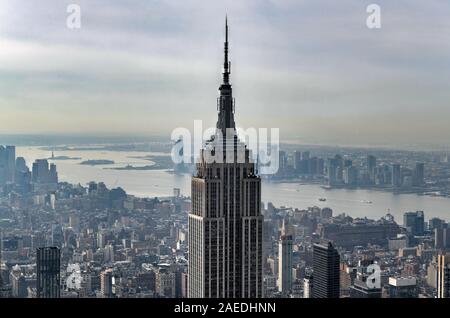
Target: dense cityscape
[[110, 244]]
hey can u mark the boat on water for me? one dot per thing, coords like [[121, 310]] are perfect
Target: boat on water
[[366, 201], [322, 199]]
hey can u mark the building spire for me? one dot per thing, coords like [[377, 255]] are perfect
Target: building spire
[[226, 63], [225, 102]]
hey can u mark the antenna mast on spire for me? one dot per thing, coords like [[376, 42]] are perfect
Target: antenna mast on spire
[[226, 62]]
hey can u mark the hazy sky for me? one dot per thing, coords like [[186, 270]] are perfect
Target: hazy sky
[[311, 68]]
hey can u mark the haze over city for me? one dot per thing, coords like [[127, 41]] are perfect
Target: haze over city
[[311, 68]]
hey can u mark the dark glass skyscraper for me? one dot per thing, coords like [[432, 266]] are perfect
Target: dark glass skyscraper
[[225, 224], [419, 173], [7, 164], [48, 272], [371, 166], [5, 290], [414, 222], [396, 176], [325, 271]]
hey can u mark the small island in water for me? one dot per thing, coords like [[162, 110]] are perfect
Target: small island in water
[[147, 167], [64, 158], [97, 162], [158, 163]]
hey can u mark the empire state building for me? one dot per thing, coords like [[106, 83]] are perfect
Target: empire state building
[[225, 224]]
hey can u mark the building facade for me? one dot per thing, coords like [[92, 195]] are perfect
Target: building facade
[[414, 222], [443, 276], [225, 224], [48, 272], [285, 261], [403, 287], [326, 271]]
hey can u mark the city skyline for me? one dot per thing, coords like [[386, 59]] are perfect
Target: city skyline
[[127, 69], [95, 251]]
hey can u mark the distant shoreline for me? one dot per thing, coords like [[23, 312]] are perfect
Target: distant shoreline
[[141, 168], [97, 162], [416, 191], [64, 158]]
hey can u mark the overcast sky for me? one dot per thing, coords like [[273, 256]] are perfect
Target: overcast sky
[[311, 68]]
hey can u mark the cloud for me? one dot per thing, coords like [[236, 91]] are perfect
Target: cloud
[[149, 66]]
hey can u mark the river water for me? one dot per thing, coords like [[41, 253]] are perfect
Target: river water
[[160, 183]]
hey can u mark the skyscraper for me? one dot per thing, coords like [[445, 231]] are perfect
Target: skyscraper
[[396, 176], [308, 285], [305, 155], [285, 261], [40, 171], [403, 287], [7, 164], [283, 161], [325, 271], [332, 171], [442, 237], [106, 283], [44, 176], [225, 224], [10, 163], [53, 174], [297, 160], [22, 176], [5, 290], [443, 275], [414, 222], [48, 272], [351, 176], [371, 165], [419, 174]]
